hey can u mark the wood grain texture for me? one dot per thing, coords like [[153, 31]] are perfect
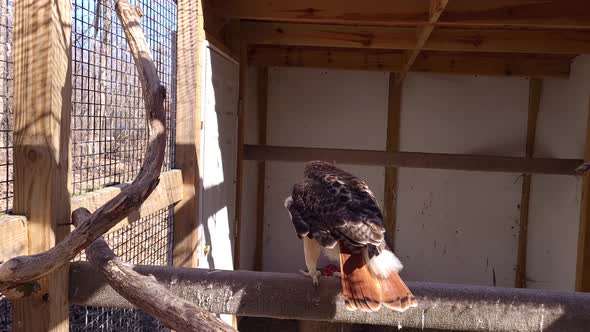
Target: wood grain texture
[[470, 63], [405, 38], [13, 237], [44, 200], [169, 191], [583, 253], [263, 294], [42, 108], [262, 124], [553, 14], [189, 84], [535, 91], [415, 159], [243, 78], [392, 145], [436, 9]]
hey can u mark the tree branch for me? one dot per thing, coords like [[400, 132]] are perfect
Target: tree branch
[[146, 292], [24, 269]]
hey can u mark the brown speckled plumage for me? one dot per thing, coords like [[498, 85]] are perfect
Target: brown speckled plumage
[[337, 209]]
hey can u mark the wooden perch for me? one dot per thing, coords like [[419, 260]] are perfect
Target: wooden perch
[[292, 296], [23, 269], [146, 292]]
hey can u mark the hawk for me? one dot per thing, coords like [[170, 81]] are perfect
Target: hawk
[[334, 210]]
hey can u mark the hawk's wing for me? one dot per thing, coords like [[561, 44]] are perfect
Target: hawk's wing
[[333, 205]]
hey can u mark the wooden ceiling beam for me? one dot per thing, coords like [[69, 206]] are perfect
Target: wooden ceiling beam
[[436, 9], [549, 14], [491, 64], [404, 38]]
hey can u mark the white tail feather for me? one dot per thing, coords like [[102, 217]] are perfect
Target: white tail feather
[[383, 264]]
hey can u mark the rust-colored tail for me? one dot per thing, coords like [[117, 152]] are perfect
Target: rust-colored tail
[[365, 291]]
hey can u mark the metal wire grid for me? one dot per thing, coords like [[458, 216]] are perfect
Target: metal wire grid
[[108, 116], [146, 242], [6, 184], [6, 76]]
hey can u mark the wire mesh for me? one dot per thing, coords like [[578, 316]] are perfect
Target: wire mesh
[[6, 76], [147, 242], [108, 116], [6, 184], [109, 134]]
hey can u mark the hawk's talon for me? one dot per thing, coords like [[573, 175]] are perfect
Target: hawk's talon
[[314, 276]]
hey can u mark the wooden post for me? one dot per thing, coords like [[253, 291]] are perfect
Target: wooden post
[[535, 88], [240, 149], [262, 117], [188, 130], [583, 259], [42, 105], [392, 145]]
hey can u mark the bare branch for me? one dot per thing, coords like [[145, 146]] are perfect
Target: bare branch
[[23, 269], [145, 292]]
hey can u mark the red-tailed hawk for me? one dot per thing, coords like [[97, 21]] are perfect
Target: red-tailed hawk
[[335, 210]]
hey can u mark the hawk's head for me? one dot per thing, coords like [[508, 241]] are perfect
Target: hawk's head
[[318, 166]]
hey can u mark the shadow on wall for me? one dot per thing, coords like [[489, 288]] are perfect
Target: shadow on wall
[[217, 162]]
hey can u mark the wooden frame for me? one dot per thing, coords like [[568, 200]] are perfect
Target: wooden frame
[[415, 159], [572, 14], [583, 255], [188, 119], [473, 63], [262, 129], [535, 90], [42, 105]]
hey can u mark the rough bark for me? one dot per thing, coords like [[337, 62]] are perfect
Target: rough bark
[[292, 296], [24, 269], [146, 292]]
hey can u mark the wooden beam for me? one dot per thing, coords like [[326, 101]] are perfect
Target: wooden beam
[[415, 159], [42, 110], [404, 38], [169, 191], [476, 63], [571, 14], [535, 90], [190, 59], [263, 294], [583, 255], [392, 145], [13, 237], [262, 128], [243, 78], [436, 9]]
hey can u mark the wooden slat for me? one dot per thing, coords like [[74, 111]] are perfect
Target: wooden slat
[[535, 89], [240, 150], [404, 38], [415, 159], [13, 237], [392, 145], [262, 117], [494, 13], [188, 130], [42, 109], [169, 191], [436, 9], [583, 254], [476, 63]]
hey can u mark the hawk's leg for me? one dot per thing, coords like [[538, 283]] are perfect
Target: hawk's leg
[[311, 248]]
